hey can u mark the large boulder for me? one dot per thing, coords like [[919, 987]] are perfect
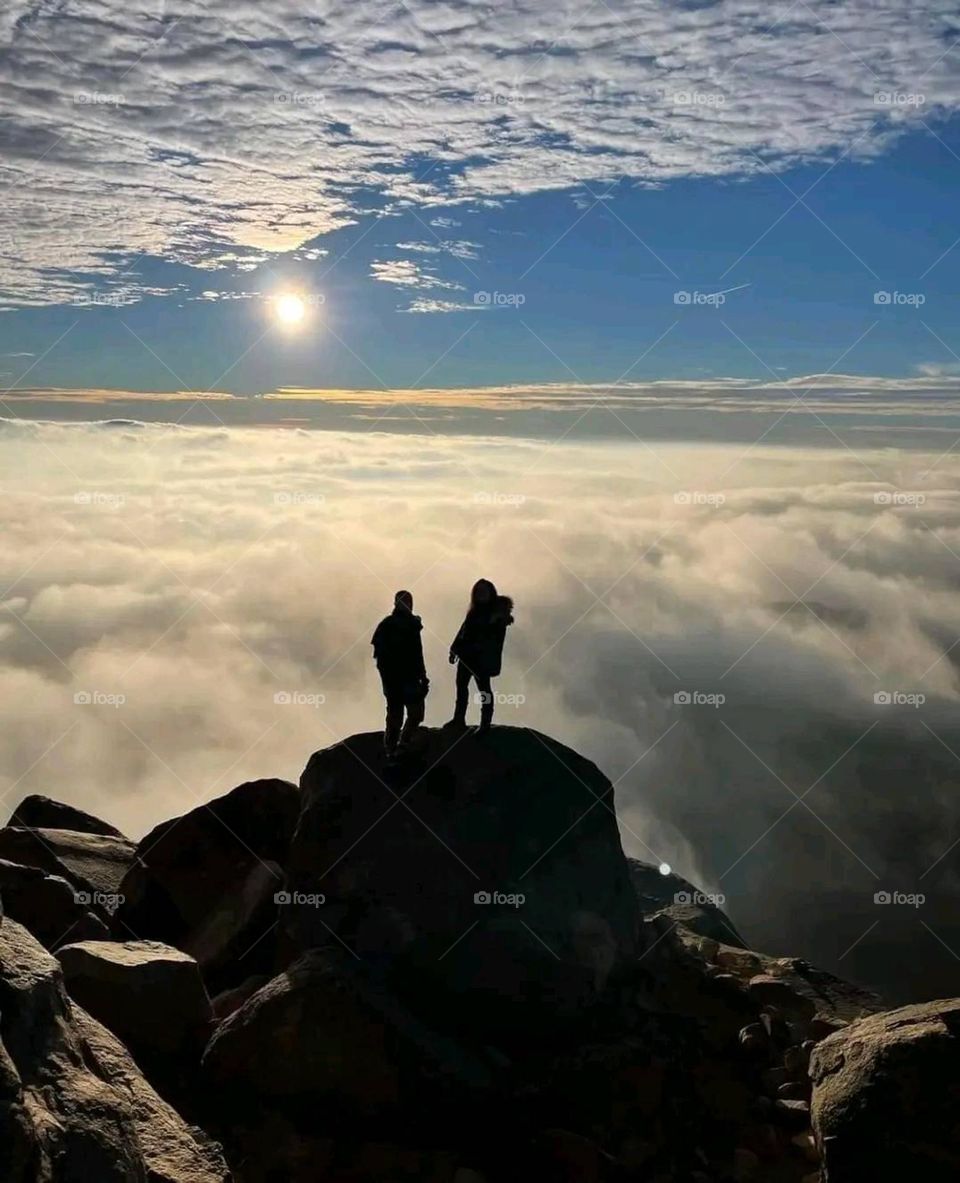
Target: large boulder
[[487, 872], [47, 905], [206, 882], [95, 864], [324, 1050], [662, 892], [150, 996], [74, 1105], [43, 813], [886, 1099]]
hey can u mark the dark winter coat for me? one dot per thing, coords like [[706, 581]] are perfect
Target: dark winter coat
[[479, 643], [398, 649]]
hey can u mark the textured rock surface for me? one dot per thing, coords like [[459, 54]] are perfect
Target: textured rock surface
[[47, 905], [886, 1099], [488, 870], [43, 813], [95, 863], [205, 882], [74, 1105]]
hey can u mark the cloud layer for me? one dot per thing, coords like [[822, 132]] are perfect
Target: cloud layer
[[197, 574], [217, 133]]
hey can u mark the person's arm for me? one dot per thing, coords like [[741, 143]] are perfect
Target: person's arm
[[377, 640], [457, 641]]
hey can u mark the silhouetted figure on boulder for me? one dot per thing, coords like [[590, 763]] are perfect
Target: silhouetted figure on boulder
[[398, 652], [478, 648]]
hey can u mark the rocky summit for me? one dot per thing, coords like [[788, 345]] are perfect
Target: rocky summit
[[441, 969]]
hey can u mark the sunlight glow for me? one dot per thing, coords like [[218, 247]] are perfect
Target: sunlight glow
[[290, 309]]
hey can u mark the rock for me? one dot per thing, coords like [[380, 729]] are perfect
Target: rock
[[473, 889], [806, 1145], [823, 1025], [43, 813], [326, 1046], [738, 961], [886, 1099], [768, 990], [75, 1106], [46, 905], [228, 1001], [746, 1165], [796, 1060], [675, 897], [206, 882], [793, 1114], [829, 995], [95, 863], [150, 996], [328, 1027], [794, 1090]]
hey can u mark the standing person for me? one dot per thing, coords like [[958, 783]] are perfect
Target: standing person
[[398, 652], [478, 648]]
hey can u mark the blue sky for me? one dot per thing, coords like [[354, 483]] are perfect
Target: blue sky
[[762, 162]]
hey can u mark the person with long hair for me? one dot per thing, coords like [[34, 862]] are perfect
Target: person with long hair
[[477, 650]]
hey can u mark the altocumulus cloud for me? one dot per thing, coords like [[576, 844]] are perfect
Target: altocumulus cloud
[[216, 133], [713, 630]]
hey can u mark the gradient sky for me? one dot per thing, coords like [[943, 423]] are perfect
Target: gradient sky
[[167, 171]]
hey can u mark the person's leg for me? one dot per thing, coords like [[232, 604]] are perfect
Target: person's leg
[[463, 694], [391, 734], [415, 711], [486, 701]]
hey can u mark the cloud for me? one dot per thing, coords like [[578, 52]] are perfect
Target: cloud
[[198, 573], [405, 273], [213, 134]]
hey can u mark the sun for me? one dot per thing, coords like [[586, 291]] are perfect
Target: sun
[[289, 309]]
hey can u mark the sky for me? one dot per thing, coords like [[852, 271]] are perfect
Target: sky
[[645, 311]]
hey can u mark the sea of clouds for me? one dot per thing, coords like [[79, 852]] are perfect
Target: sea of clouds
[[758, 645]]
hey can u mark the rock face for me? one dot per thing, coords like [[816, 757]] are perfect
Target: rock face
[[488, 872], [74, 1105], [205, 882], [673, 896], [94, 863], [149, 995], [886, 1099], [43, 813], [47, 905]]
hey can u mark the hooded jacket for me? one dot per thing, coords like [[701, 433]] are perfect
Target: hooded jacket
[[398, 648], [479, 643]]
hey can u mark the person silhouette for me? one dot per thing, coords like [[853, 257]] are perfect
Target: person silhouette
[[477, 650], [398, 652]]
